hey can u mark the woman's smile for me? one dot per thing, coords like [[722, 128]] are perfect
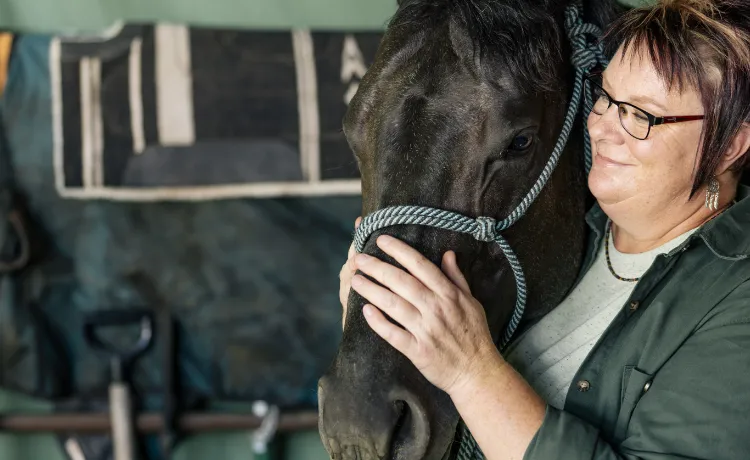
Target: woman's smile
[[607, 162]]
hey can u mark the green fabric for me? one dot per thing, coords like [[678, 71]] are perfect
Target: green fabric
[[304, 446], [52, 16], [669, 378], [94, 15], [27, 446], [636, 3]]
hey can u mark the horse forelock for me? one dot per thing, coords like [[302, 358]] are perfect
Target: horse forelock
[[522, 38]]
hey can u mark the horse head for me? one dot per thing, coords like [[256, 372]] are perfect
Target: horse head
[[460, 111]]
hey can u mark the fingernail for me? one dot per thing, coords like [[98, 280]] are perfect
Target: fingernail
[[367, 310], [357, 281], [362, 258]]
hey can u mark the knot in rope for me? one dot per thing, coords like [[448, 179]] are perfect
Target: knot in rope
[[485, 229], [587, 51]]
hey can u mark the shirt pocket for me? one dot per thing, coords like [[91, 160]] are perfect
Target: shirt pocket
[[635, 383]]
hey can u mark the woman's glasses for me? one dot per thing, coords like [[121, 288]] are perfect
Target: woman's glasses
[[636, 121]]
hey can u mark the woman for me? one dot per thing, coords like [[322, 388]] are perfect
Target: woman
[[665, 285]]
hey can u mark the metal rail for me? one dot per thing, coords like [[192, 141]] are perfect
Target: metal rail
[[98, 422]]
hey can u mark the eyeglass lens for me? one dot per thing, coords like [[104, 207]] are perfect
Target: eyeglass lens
[[633, 119]]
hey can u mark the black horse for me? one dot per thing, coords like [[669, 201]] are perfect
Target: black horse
[[460, 111]]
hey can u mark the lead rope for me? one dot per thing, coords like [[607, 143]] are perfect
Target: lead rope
[[584, 57]]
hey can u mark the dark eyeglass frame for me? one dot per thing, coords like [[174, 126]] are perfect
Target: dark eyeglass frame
[[653, 120]]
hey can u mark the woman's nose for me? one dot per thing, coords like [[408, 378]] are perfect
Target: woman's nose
[[606, 124]]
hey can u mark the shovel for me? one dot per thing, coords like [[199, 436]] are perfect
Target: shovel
[[121, 362]]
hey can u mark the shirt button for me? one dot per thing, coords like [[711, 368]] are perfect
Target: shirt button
[[634, 305], [583, 385], [646, 386]]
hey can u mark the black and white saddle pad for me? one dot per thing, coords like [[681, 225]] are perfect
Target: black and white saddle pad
[[171, 112]]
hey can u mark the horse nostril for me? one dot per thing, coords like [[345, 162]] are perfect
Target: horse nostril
[[411, 434], [379, 426], [400, 435]]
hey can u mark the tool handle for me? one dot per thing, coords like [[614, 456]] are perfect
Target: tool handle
[[121, 415]]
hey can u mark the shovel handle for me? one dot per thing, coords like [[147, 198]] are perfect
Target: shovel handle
[[121, 416], [97, 320]]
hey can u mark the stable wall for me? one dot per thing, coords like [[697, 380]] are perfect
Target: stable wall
[[94, 15]]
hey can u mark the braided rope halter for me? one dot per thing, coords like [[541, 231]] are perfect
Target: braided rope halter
[[586, 54]]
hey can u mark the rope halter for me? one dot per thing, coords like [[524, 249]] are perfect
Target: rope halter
[[486, 229]]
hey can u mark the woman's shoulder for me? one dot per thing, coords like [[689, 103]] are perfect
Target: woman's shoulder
[[732, 309], [710, 279]]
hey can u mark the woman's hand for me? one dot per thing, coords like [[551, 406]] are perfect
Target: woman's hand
[[444, 329], [345, 276]]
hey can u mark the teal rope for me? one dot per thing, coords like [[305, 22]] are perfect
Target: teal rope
[[585, 56]]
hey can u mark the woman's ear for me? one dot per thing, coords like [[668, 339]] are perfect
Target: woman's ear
[[739, 147]]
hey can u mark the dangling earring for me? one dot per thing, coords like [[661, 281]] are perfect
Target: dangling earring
[[712, 194]]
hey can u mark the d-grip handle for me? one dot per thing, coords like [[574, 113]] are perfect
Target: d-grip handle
[[96, 320]]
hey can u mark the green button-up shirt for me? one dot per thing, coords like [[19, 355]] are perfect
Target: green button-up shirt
[[670, 377]]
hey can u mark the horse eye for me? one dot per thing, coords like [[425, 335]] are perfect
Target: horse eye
[[521, 142]]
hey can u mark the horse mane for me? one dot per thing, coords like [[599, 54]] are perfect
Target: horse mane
[[525, 36]]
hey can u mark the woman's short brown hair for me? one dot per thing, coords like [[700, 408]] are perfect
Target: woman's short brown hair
[[703, 44]]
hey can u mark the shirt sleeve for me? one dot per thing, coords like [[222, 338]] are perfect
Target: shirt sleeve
[[697, 407]]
